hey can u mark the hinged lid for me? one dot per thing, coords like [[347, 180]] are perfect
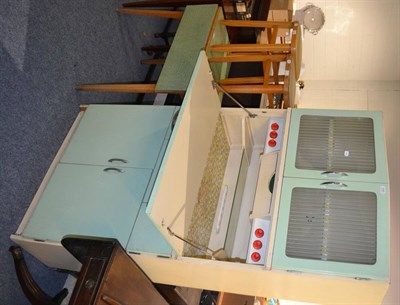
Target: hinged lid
[[175, 191]]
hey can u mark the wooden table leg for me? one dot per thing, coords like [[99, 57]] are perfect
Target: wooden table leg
[[168, 3]]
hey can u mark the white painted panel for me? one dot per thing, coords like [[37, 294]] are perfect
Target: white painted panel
[[388, 102], [175, 191], [334, 99]]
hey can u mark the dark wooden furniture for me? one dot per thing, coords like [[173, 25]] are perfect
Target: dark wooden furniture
[[32, 291], [108, 277]]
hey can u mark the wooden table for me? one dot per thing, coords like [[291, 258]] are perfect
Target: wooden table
[[198, 28]]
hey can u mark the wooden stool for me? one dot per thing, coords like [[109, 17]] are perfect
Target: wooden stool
[[270, 54]]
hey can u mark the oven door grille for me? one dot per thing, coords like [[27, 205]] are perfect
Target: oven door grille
[[333, 225], [343, 144]]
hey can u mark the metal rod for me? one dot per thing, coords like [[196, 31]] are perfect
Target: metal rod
[[187, 241], [216, 85]]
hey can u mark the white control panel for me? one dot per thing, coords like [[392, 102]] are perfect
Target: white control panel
[[274, 135], [257, 250]]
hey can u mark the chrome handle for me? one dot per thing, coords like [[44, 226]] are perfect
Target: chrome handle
[[334, 183], [117, 160], [342, 174], [113, 169]]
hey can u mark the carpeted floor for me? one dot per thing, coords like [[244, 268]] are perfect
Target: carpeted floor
[[46, 48]]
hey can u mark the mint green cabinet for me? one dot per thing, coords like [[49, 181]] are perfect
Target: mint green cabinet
[[334, 204], [336, 145], [89, 200], [121, 135], [333, 228], [146, 237], [104, 178]]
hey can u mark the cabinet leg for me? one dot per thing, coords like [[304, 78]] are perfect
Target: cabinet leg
[[30, 288]]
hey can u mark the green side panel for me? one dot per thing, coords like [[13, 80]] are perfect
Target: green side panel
[[86, 200], [131, 133], [326, 150], [339, 238], [146, 237], [156, 170], [220, 36], [189, 40]]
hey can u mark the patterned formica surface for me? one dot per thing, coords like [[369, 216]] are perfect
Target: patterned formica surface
[[207, 200]]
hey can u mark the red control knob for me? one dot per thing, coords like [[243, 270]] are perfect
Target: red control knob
[[259, 233], [255, 256], [273, 134], [257, 244], [272, 143], [274, 126]]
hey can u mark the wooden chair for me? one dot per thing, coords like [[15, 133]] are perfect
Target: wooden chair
[[31, 289], [270, 54]]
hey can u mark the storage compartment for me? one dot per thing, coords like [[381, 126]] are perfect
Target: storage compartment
[[334, 203], [336, 145], [214, 157], [102, 178], [334, 228]]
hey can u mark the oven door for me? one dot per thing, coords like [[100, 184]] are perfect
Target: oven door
[[331, 227]]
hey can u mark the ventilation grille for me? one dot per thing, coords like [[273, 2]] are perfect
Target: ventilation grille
[[332, 225], [336, 144]]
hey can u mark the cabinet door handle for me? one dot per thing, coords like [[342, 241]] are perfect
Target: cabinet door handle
[[342, 174], [113, 169], [117, 160], [334, 183]]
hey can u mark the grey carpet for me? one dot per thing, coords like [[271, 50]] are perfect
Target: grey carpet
[[46, 48]]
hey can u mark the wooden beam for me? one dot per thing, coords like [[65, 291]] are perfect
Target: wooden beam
[[128, 88], [250, 48], [158, 13], [257, 24]]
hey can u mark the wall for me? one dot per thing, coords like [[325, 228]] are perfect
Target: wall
[[359, 41]]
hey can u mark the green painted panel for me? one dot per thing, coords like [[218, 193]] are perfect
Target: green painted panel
[[314, 145], [132, 133], [220, 36], [146, 237], [156, 171], [86, 200], [340, 236], [189, 40]]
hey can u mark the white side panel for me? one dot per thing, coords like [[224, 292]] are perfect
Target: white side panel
[[52, 254], [223, 212], [262, 200], [175, 192]]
